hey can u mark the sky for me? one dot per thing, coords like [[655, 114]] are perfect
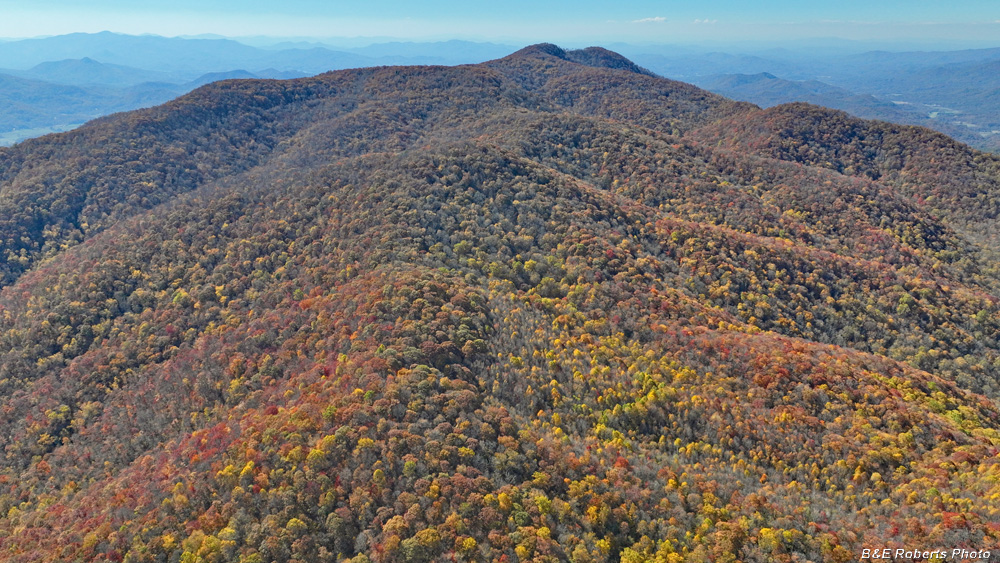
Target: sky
[[517, 20]]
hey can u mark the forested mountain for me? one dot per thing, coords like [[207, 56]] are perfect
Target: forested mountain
[[116, 72], [548, 307], [29, 107], [170, 54], [954, 92], [88, 72], [768, 90]]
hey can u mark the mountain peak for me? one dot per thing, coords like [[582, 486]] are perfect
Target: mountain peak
[[604, 58], [541, 49], [597, 57]]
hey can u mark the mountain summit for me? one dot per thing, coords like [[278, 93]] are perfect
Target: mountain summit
[[591, 56], [546, 307]]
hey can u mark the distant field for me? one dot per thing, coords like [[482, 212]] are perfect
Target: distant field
[[8, 138]]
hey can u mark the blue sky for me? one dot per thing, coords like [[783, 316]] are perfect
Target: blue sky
[[517, 20]]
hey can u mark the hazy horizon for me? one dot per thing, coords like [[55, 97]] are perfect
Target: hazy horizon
[[919, 22], [814, 44], [153, 59]]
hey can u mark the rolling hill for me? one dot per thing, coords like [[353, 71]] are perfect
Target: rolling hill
[[116, 72], [88, 72], [765, 89], [953, 92], [547, 307]]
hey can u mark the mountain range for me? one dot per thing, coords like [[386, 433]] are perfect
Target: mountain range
[[190, 57], [65, 94], [767, 90], [547, 307], [950, 91], [116, 72]]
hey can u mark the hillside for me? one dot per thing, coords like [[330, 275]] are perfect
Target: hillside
[[959, 91], [953, 92], [548, 307], [88, 72], [115, 72], [766, 90], [28, 106], [169, 54]]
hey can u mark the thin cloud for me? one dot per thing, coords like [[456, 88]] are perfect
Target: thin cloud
[[657, 19], [706, 21]]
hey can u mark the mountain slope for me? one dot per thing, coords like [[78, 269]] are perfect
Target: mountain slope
[[162, 54], [88, 72], [938, 173], [30, 103], [30, 106], [532, 308], [766, 90]]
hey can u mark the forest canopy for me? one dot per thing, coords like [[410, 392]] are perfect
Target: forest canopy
[[549, 307]]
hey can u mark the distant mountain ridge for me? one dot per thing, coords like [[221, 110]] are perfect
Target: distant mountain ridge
[[950, 91], [768, 90], [923, 86], [122, 72], [200, 56], [89, 72]]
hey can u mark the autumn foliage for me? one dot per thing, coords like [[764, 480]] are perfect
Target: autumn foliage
[[549, 307]]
